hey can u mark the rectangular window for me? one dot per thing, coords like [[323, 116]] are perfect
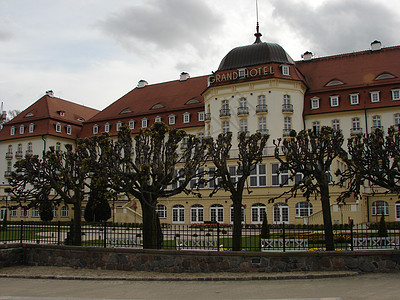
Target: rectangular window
[[186, 118], [243, 125], [12, 130], [119, 124], [145, 123], [21, 129], [107, 127], [69, 130], [334, 101], [225, 126], [335, 124], [354, 99], [316, 126], [35, 212], [285, 70], [31, 127], [314, 103], [375, 96], [14, 213], [131, 124], [279, 177], [200, 116], [95, 129], [172, 120], [262, 125], [258, 176], [24, 212], [396, 94], [58, 127]]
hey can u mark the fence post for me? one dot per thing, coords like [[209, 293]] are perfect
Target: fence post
[[284, 237], [218, 236], [351, 235], [58, 232], [21, 231], [105, 234]]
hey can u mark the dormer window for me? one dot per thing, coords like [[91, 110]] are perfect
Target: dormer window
[[334, 82], [242, 73], [395, 94], [171, 119], [29, 115], [145, 122], [107, 127], [126, 111], [68, 129], [186, 117], [22, 129], [31, 127], [200, 116], [131, 124], [58, 127], [314, 103], [157, 106], [95, 129], [354, 99], [119, 124], [285, 70], [384, 76], [61, 113], [12, 130], [334, 100], [375, 96], [158, 119]]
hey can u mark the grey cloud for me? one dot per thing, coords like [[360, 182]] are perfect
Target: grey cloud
[[162, 25], [339, 26]]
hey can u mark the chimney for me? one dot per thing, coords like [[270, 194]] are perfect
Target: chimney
[[376, 45], [184, 76], [307, 55], [142, 83], [50, 93]]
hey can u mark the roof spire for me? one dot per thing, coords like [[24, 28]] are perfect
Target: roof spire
[[257, 34]]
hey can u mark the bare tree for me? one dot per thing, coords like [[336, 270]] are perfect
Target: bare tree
[[250, 154], [311, 154], [146, 168]]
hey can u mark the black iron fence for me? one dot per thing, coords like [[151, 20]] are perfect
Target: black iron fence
[[205, 236]]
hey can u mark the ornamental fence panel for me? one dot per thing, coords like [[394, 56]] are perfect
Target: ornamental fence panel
[[208, 236]]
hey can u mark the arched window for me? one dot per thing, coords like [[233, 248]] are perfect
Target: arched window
[[379, 208], [233, 217], [304, 209], [281, 213], [161, 211], [197, 213], [257, 213], [178, 214], [217, 213]]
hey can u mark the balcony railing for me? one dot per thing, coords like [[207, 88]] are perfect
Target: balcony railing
[[9, 155], [243, 111], [207, 117], [355, 131], [263, 131], [263, 108], [7, 174], [247, 133], [225, 112], [18, 154], [29, 153], [286, 132], [377, 127], [287, 108]]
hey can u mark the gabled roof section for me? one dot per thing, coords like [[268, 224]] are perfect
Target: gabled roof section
[[356, 69], [50, 107], [172, 95]]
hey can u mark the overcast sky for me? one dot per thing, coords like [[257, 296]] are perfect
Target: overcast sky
[[92, 52]]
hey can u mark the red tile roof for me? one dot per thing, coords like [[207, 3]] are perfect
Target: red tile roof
[[44, 114]]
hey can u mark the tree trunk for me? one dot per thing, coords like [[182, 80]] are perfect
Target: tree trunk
[[326, 212], [237, 224], [152, 234], [76, 233]]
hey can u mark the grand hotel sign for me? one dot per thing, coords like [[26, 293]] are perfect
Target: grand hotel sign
[[241, 74]]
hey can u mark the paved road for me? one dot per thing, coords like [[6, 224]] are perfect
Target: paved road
[[365, 287]]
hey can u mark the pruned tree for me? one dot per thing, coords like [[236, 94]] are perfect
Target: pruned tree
[[250, 150], [57, 177], [373, 160], [311, 154], [146, 168]]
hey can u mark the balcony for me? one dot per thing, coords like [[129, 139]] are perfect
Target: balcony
[[242, 111], [19, 154], [263, 131], [207, 117], [286, 132], [245, 132], [225, 112], [355, 131], [263, 108], [9, 155], [287, 108], [29, 153], [373, 128]]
